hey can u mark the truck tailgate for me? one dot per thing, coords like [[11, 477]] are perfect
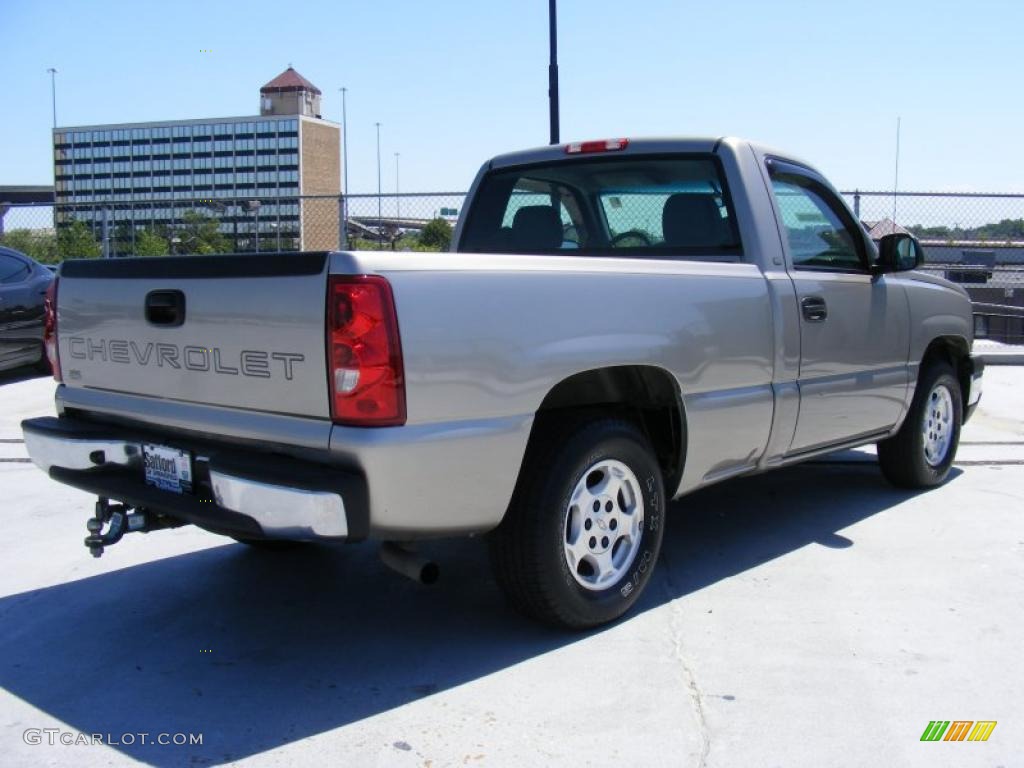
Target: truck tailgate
[[243, 332]]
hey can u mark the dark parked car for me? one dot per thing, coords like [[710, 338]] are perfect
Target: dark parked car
[[23, 286]]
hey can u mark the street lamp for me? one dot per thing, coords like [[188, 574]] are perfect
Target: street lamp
[[253, 206], [380, 219], [219, 208], [53, 137], [553, 69], [53, 92], [344, 170], [398, 192], [176, 243]]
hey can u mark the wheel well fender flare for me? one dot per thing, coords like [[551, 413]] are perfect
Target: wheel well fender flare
[[648, 395]]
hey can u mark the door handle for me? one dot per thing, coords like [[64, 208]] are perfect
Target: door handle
[[814, 309]]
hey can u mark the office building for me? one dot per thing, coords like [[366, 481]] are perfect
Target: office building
[[271, 180]]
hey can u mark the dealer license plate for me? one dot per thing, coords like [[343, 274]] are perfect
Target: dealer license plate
[[169, 469]]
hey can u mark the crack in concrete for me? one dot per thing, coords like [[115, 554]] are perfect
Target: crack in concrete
[[675, 627]]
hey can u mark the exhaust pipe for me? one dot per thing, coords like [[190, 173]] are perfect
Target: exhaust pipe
[[403, 560]]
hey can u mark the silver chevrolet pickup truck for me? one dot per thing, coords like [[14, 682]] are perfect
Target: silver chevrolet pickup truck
[[619, 323]]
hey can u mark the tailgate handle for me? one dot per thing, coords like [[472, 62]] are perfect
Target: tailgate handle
[[165, 308]]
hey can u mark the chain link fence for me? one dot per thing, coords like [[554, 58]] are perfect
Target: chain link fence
[[51, 233], [975, 239]]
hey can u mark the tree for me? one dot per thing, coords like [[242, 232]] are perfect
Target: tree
[[149, 243], [436, 235], [40, 244], [76, 241], [121, 240], [1006, 229], [200, 234]]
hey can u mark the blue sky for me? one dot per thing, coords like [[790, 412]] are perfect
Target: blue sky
[[455, 81]]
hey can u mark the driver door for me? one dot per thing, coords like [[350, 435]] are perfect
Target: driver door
[[854, 326]]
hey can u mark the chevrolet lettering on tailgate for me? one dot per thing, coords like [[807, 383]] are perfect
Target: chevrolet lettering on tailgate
[[249, 362]]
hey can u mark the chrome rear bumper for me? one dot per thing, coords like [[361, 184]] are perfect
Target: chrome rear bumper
[[283, 497], [282, 512]]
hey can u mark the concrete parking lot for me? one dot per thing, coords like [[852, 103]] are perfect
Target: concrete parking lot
[[812, 616]]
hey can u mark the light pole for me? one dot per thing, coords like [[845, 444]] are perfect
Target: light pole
[[53, 92], [253, 206], [553, 69], [53, 97], [344, 170], [398, 191], [380, 219]]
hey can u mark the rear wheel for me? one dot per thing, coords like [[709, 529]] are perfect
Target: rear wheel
[[921, 454], [581, 536]]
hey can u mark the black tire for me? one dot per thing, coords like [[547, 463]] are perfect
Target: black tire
[[528, 548], [902, 457], [271, 545]]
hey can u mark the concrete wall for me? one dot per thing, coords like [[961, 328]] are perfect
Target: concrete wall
[[954, 254]]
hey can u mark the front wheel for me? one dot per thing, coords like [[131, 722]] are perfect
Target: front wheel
[[921, 454], [584, 529]]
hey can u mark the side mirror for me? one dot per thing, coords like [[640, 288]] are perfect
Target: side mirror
[[899, 252]]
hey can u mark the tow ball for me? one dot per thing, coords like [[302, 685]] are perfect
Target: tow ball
[[120, 519]]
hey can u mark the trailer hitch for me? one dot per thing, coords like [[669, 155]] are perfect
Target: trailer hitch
[[121, 519]]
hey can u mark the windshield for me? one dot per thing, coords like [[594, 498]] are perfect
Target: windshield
[[639, 206]]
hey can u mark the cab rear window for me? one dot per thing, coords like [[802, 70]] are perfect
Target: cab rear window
[[660, 207]]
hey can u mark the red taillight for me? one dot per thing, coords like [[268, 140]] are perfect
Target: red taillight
[[50, 329], [364, 353], [604, 145]]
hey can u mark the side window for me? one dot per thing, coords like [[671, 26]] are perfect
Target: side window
[[12, 270], [820, 237]]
